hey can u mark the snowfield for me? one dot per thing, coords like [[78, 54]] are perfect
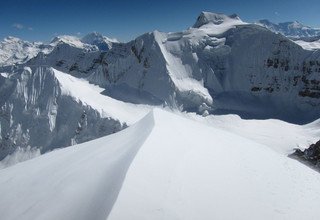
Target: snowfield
[[163, 167]]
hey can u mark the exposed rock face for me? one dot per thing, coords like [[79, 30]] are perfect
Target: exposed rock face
[[310, 156]]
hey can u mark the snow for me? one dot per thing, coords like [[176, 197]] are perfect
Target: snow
[[219, 22], [198, 172], [163, 167], [14, 50], [280, 136], [19, 155], [180, 74], [90, 94], [314, 45], [79, 182], [290, 29], [73, 41], [102, 42]]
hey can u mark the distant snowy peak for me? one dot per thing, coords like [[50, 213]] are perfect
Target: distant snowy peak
[[290, 29], [14, 50], [91, 42], [72, 41], [216, 19], [102, 42]]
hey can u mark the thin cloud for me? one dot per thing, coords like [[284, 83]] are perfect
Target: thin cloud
[[18, 26], [21, 26]]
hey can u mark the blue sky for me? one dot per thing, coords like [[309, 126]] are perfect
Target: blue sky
[[43, 19]]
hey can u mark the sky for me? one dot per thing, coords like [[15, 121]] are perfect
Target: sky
[[41, 20]]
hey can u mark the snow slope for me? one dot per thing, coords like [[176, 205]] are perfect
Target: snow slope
[[278, 135], [163, 167], [80, 182]]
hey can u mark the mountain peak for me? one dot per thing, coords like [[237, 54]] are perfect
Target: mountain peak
[[12, 39], [92, 36], [97, 39], [214, 18]]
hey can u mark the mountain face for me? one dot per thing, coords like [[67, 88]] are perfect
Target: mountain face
[[36, 110], [290, 29], [212, 67], [220, 65]]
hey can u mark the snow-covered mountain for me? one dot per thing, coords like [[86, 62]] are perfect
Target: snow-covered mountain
[[102, 42], [73, 42], [44, 108], [220, 65], [290, 29], [15, 51], [163, 167], [305, 36]]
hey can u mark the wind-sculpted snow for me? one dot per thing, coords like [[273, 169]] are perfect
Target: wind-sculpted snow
[[163, 167], [80, 182]]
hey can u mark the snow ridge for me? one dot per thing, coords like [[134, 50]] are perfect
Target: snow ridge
[[176, 168], [84, 180]]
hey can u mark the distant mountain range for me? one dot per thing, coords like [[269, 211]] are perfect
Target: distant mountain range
[[292, 29], [16, 51]]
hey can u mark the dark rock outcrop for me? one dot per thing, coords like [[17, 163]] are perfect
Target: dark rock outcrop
[[309, 156]]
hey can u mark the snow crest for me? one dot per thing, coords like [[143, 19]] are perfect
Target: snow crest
[[176, 168]]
